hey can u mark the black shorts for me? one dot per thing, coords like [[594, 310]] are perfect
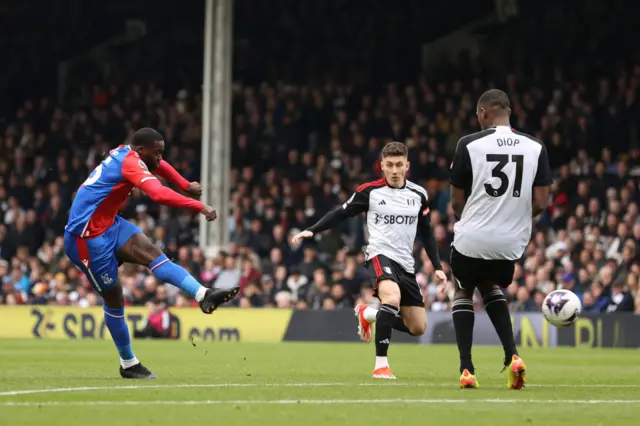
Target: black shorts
[[382, 268], [469, 272]]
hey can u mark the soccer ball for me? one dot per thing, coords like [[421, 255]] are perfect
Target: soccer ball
[[561, 308]]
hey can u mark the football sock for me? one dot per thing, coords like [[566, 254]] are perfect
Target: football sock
[[370, 314], [399, 325], [381, 362], [168, 271], [384, 324], [114, 319], [463, 321], [496, 306]]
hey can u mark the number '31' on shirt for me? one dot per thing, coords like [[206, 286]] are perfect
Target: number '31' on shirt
[[497, 168]]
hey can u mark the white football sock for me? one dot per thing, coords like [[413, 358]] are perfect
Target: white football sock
[[381, 362], [370, 314], [200, 294], [126, 363]]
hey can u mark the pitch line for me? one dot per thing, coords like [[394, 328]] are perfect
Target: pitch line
[[291, 385], [322, 402]]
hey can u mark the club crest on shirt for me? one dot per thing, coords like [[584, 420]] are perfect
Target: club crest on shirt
[[144, 166]]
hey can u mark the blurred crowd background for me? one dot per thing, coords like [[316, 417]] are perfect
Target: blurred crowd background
[[312, 106]]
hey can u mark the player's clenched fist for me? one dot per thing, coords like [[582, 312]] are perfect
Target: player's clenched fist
[[300, 236], [209, 213], [441, 277]]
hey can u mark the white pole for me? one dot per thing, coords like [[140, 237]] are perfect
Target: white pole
[[218, 106], [205, 160], [228, 119]]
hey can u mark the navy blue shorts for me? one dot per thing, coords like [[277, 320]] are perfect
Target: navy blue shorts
[[96, 257]]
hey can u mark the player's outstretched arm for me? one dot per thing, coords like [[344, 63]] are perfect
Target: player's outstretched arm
[[136, 172], [163, 195], [167, 171], [358, 203]]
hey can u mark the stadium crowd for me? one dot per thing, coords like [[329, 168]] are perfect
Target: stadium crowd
[[299, 150]]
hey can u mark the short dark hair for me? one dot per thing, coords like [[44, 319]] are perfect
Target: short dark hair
[[393, 149], [494, 98], [146, 137]]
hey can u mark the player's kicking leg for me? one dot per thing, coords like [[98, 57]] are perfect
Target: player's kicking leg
[[139, 250]]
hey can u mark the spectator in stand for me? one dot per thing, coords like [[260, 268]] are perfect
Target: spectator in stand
[[157, 324]]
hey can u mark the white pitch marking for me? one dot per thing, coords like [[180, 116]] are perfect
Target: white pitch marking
[[322, 401], [196, 385], [290, 385]]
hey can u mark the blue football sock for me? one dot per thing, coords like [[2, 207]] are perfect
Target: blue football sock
[[114, 319], [168, 271]]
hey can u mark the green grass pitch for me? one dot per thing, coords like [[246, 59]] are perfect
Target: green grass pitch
[[76, 383]]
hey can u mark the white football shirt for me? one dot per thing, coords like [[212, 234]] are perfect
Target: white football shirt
[[497, 168], [394, 216]]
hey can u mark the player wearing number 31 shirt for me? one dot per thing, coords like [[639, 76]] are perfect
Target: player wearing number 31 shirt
[[500, 181], [97, 240]]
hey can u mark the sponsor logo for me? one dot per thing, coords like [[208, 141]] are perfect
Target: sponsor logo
[[61, 322], [392, 219]]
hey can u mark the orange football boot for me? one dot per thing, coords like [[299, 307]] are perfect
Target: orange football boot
[[516, 373], [468, 380], [383, 373], [364, 327]]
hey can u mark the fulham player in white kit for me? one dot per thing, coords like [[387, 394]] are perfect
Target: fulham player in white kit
[[500, 181], [397, 210]]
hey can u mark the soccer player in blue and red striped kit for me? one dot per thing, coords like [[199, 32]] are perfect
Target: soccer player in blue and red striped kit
[[98, 241]]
